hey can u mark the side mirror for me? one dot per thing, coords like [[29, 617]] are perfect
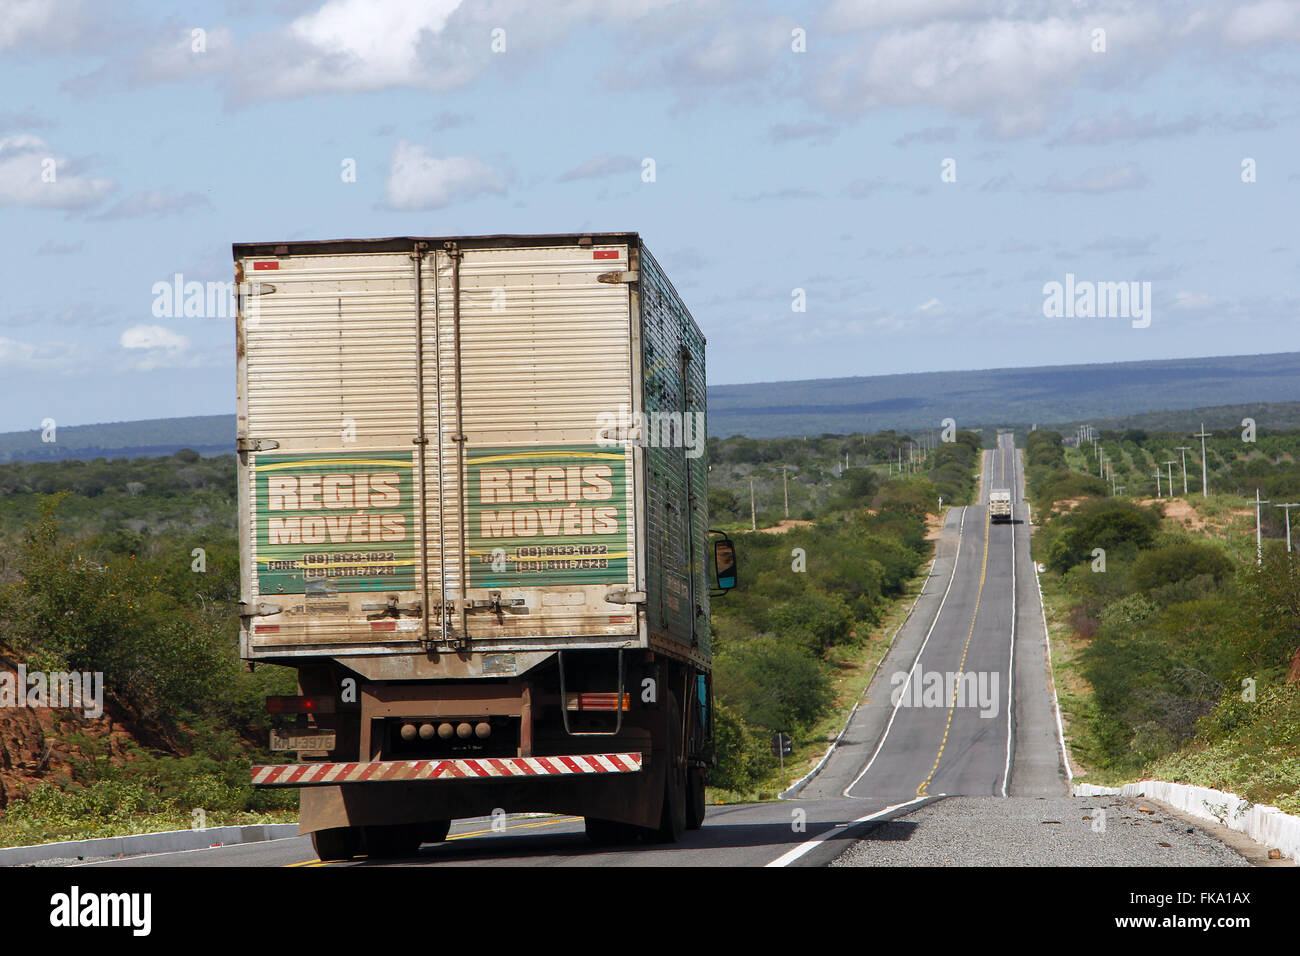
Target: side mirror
[[724, 563]]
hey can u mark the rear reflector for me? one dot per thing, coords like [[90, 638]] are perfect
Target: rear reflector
[[265, 266], [319, 704], [307, 774], [605, 254], [598, 701]]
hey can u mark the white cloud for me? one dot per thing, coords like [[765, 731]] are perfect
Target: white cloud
[[601, 166], [1267, 22], [154, 337], [1008, 72], [1100, 180], [154, 203], [1122, 126], [13, 352], [856, 15], [1193, 300], [26, 163], [47, 356], [419, 180], [39, 23]]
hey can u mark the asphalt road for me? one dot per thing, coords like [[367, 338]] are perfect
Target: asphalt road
[[879, 797]]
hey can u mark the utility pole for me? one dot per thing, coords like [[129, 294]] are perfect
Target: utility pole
[[785, 489], [1259, 538], [1202, 435], [1157, 473], [1287, 508], [1170, 465], [1184, 449], [753, 515]]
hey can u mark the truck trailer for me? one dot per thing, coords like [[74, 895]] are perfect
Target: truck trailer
[[473, 518], [1000, 504]]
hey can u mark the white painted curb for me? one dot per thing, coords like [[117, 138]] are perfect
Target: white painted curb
[[163, 842], [1266, 825]]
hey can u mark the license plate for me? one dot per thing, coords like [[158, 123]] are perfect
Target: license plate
[[321, 741]]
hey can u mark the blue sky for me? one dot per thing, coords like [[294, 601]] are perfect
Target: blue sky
[[775, 169]]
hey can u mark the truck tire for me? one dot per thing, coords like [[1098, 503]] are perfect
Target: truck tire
[[696, 779], [609, 832], [672, 820], [337, 843], [392, 840], [434, 831]]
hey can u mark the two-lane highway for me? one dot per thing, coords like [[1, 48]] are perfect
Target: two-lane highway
[[960, 705]]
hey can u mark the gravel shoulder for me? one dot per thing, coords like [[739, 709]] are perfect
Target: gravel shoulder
[[1039, 831]]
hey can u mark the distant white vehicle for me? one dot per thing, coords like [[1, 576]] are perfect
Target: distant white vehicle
[[1000, 504]]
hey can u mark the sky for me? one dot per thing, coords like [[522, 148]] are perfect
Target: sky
[[844, 188]]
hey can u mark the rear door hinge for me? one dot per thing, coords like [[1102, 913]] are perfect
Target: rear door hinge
[[614, 278], [245, 444]]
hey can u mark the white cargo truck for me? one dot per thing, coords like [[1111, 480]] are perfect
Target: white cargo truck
[[473, 518], [1000, 504]]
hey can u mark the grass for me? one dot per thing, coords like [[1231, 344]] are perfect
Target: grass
[[1246, 748], [148, 794], [1241, 748]]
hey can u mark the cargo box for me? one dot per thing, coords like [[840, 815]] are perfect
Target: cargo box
[[493, 444]]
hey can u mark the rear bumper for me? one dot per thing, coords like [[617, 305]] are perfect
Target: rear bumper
[[381, 771]]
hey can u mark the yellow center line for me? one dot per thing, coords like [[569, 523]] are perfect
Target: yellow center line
[[462, 836], [984, 566]]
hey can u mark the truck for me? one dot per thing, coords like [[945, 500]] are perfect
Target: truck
[[1000, 504], [473, 519]]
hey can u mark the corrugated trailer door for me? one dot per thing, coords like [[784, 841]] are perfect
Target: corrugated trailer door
[[536, 517], [328, 423]]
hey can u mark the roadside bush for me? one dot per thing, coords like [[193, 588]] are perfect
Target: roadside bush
[[1178, 562]]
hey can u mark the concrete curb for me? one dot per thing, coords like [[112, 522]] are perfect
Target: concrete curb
[[1265, 825], [163, 842]]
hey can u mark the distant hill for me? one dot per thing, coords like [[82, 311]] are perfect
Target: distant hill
[[1038, 395], [206, 434], [1169, 394]]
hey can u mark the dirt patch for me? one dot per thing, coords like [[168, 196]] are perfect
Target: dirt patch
[[933, 526], [1181, 510], [781, 527]]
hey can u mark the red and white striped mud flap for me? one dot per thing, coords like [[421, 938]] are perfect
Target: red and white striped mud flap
[[381, 771]]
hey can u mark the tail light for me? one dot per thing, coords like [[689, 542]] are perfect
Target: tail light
[[598, 701], [320, 704]]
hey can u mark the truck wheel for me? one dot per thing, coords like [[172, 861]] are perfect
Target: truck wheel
[[608, 832], [672, 820], [393, 840], [695, 809], [337, 843], [434, 831]]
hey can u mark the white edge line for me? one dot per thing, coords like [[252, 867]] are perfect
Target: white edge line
[[1011, 664], [1051, 678], [789, 856], [802, 781], [885, 736]]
